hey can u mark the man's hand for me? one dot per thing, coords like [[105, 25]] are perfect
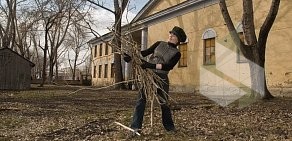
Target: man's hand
[[127, 58], [146, 64]]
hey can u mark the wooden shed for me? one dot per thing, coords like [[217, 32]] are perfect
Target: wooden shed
[[15, 70]]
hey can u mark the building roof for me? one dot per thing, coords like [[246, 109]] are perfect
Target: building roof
[[31, 63], [147, 7], [168, 13], [141, 20]]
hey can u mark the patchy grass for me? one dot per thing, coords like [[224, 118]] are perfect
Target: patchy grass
[[51, 113]]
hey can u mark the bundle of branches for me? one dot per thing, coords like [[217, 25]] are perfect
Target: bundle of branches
[[146, 80]]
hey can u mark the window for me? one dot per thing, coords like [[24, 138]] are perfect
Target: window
[[95, 51], [183, 49], [209, 51], [209, 47], [106, 49], [94, 72], [105, 70], [112, 70], [99, 71], [240, 57], [100, 49]]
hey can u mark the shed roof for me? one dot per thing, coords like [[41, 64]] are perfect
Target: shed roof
[[10, 50]]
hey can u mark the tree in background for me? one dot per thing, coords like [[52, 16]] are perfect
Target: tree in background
[[57, 17], [76, 43], [16, 25], [119, 8], [254, 48]]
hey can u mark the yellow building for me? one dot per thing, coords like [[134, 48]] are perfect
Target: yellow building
[[210, 61], [102, 61]]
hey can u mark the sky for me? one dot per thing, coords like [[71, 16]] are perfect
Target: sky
[[105, 19]]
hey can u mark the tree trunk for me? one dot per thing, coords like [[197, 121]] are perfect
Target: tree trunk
[[118, 66], [74, 67], [117, 56], [258, 78], [45, 59], [51, 70], [56, 71]]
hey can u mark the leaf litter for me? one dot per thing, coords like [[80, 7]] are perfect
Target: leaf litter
[[52, 114]]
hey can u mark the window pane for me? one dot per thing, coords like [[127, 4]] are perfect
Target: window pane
[[207, 59], [100, 49], [105, 70], [95, 51], [208, 51], [94, 72], [99, 71], [112, 70], [106, 49], [208, 43], [212, 50], [182, 54], [212, 42], [183, 60]]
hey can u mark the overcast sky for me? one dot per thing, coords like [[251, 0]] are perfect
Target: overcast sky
[[105, 19]]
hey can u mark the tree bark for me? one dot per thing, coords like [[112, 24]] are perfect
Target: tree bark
[[117, 56], [119, 6], [44, 74], [259, 89]]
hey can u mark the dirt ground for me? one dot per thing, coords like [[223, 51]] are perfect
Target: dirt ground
[[54, 113]]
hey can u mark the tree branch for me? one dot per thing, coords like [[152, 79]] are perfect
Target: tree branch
[[248, 23], [231, 28], [101, 6], [266, 27]]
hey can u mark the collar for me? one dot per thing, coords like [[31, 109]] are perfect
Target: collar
[[172, 44]]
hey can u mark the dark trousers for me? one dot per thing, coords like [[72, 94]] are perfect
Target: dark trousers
[[141, 103]]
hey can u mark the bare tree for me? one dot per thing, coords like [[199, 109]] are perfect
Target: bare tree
[[57, 17], [119, 8], [58, 34], [17, 22], [36, 56], [254, 49], [48, 25], [76, 42], [7, 31], [26, 25]]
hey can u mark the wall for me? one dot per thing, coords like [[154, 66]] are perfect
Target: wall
[[190, 78], [102, 60], [14, 71]]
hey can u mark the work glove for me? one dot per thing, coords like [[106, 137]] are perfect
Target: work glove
[[146, 64], [127, 58]]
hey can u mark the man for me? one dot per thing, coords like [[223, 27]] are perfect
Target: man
[[164, 56]]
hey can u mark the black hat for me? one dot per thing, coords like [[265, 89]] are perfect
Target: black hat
[[180, 33]]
